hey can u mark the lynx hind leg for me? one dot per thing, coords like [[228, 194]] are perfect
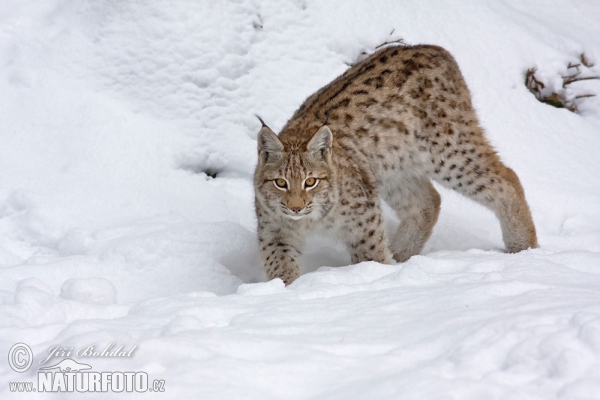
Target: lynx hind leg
[[475, 171], [518, 230], [417, 204]]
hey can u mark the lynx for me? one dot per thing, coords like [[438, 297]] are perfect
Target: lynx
[[385, 128]]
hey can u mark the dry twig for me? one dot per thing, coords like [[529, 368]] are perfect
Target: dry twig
[[559, 99]]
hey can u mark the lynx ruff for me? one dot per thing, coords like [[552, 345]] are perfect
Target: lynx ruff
[[386, 127]]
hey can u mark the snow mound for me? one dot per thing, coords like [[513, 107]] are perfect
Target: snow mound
[[90, 290]]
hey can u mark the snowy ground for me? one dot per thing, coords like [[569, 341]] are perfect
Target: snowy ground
[[111, 232]]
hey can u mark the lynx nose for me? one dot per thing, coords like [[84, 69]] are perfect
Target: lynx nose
[[296, 204]]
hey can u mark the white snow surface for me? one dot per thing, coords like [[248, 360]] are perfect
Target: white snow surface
[[112, 232]]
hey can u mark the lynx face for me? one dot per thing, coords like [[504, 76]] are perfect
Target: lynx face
[[295, 181]]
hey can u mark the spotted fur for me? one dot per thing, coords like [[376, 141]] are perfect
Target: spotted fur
[[395, 121]]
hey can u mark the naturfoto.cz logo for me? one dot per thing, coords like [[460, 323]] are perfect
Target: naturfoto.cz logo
[[69, 375]]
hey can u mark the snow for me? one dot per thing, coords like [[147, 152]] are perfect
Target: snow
[[111, 231]]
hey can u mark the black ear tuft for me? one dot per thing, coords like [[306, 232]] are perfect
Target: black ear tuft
[[261, 120]]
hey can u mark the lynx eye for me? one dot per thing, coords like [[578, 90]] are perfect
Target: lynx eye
[[280, 183], [310, 182]]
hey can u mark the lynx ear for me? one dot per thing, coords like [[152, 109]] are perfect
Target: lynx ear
[[320, 144], [269, 145]]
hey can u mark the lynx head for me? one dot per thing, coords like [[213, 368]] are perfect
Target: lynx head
[[295, 180]]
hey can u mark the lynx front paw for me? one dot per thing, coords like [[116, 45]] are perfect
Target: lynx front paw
[[402, 257], [286, 274]]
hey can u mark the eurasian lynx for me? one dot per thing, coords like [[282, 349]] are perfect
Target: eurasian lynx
[[384, 128]]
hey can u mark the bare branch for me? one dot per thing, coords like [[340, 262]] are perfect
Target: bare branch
[[399, 41]]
